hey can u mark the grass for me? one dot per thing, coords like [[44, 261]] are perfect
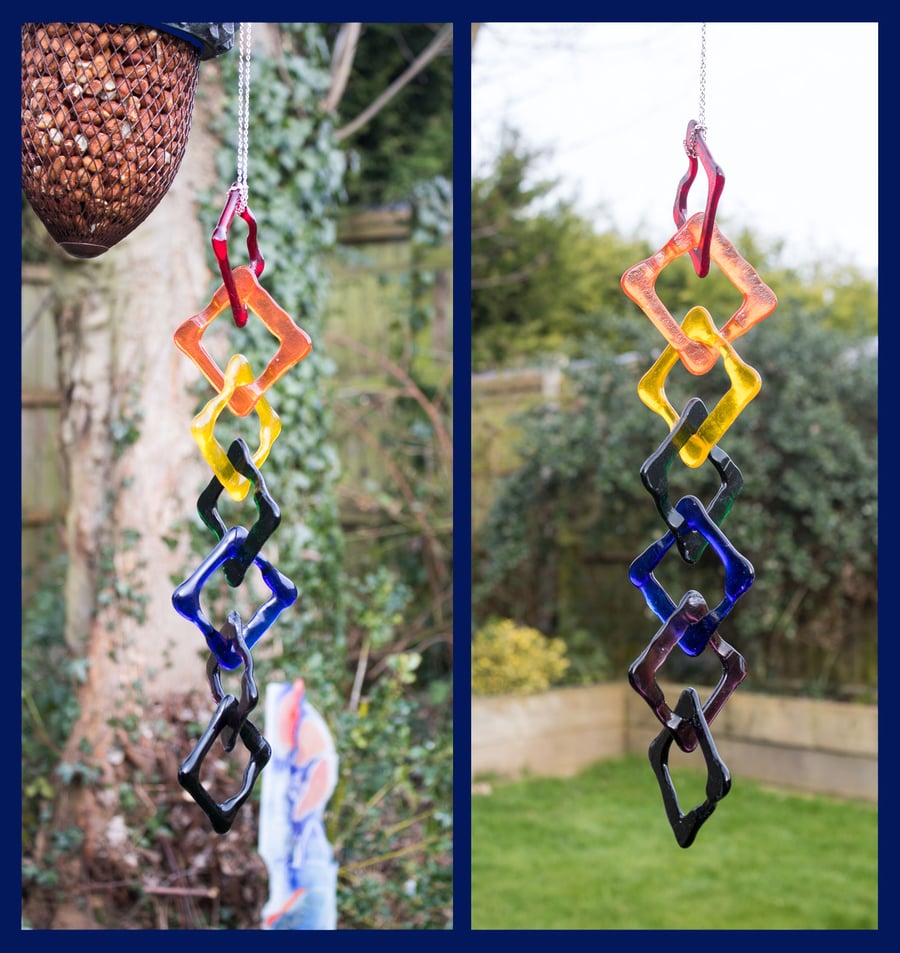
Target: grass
[[596, 852]]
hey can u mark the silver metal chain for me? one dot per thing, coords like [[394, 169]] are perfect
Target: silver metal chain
[[243, 145], [701, 112], [700, 127]]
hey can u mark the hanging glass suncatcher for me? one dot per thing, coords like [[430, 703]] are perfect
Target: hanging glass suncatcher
[[106, 113], [693, 438], [236, 471]]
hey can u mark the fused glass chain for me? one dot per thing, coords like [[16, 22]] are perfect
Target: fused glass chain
[[695, 345], [234, 472]]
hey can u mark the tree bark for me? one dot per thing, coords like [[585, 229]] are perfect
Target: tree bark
[[134, 474]]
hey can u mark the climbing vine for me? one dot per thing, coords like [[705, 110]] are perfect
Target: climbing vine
[[390, 818]]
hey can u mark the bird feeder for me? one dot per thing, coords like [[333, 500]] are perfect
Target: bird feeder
[[106, 113]]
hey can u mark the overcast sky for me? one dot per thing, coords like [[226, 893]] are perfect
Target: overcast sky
[[791, 112]]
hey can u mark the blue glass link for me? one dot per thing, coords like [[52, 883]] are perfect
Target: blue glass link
[[738, 575], [284, 594], [186, 599]]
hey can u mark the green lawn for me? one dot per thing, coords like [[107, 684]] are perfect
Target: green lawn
[[596, 852]]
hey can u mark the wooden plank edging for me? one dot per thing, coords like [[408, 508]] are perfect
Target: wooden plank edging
[[798, 743]]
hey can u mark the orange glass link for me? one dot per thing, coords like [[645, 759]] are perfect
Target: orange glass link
[[237, 374], [295, 342], [745, 385], [640, 280]]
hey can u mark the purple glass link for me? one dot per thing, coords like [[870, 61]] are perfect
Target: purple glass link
[[233, 632], [655, 477], [186, 598], [642, 673], [738, 575], [718, 778], [222, 814]]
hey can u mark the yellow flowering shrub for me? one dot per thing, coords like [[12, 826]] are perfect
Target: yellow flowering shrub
[[508, 658]]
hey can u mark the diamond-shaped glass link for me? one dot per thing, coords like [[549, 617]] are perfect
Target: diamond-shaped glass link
[[738, 575], [642, 673], [745, 385], [204, 424], [295, 343], [639, 283], [186, 599], [222, 814], [695, 146], [233, 633], [655, 477], [269, 514], [718, 778]]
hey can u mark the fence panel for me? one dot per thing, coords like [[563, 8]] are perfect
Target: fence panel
[[43, 492]]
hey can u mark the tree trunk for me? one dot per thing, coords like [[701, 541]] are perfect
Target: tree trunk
[[134, 474]]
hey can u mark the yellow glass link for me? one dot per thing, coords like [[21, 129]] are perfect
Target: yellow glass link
[[639, 283], [237, 374], [745, 385]]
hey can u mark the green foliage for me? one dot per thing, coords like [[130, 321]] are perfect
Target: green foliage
[[555, 549], [50, 677], [539, 271], [514, 659], [397, 406], [432, 206], [390, 817], [62, 842]]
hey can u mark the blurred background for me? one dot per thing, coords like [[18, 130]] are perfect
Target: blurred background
[[577, 151], [350, 183]]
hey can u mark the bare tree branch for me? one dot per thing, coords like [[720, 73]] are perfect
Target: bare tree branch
[[442, 39], [341, 64]]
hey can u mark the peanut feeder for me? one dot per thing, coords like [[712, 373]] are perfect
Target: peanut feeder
[[106, 112]]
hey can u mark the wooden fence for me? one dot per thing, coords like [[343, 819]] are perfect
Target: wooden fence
[[43, 490]]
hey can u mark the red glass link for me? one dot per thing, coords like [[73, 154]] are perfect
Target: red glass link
[[220, 249], [694, 146]]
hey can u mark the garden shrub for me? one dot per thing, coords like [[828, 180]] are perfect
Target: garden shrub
[[508, 658]]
